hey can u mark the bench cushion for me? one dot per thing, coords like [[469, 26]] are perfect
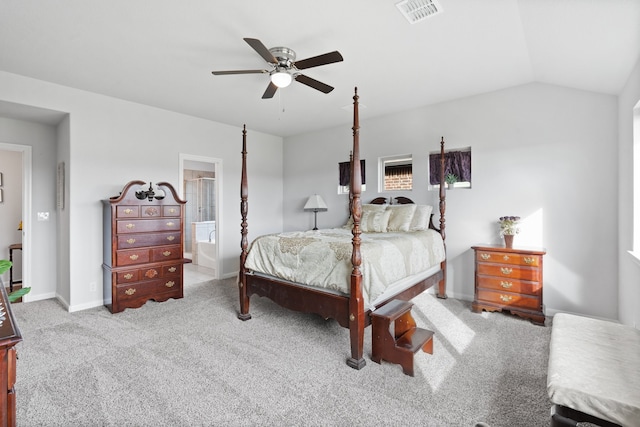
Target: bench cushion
[[594, 367]]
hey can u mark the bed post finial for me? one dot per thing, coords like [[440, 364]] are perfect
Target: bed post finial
[[244, 209]]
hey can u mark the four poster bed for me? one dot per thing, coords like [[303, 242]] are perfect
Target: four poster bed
[[345, 274]]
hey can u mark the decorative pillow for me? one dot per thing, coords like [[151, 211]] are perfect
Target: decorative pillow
[[365, 208], [421, 217], [374, 222], [401, 216]]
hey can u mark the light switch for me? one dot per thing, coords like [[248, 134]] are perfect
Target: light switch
[[43, 216]]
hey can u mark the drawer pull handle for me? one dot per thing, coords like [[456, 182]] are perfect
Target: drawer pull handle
[[133, 257], [171, 224], [130, 291], [170, 238], [529, 260], [506, 270], [130, 226], [485, 256], [128, 276], [172, 269], [506, 257], [128, 211], [166, 253], [506, 285], [131, 241], [170, 284], [151, 273], [506, 298], [172, 210]]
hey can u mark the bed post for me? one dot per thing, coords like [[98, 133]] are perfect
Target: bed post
[[442, 285], [244, 195], [356, 303]]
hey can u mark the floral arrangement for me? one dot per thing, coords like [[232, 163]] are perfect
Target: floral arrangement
[[509, 225]]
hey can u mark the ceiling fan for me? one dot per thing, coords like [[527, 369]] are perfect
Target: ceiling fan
[[284, 67]]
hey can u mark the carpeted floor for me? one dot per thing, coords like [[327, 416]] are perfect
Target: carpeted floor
[[191, 362]]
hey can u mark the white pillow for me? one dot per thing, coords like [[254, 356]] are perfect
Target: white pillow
[[401, 216], [365, 208], [374, 221], [421, 218]]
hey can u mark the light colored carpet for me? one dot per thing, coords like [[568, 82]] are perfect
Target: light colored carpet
[[191, 362]]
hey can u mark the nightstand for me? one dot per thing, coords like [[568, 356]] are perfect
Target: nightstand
[[509, 279]]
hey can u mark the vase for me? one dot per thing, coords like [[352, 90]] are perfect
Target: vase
[[508, 240]]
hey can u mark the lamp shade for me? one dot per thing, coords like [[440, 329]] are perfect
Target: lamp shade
[[281, 78], [315, 203]]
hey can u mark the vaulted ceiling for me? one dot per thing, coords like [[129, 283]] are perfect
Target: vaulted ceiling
[[161, 53]]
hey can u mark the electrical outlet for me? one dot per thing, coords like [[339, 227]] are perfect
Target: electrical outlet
[[92, 286], [43, 216]]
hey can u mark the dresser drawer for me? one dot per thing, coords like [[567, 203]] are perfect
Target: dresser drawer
[[127, 211], [142, 226], [509, 285], [129, 276], [149, 211], [128, 241], [509, 299], [132, 257], [509, 271], [171, 270], [165, 253], [508, 258], [171, 210], [148, 289]]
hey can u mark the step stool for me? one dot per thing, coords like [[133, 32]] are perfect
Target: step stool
[[400, 344]]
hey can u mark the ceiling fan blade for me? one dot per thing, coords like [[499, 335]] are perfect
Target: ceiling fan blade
[[305, 80], [222, 73], [327, 58], [261, 49], [271, 90]]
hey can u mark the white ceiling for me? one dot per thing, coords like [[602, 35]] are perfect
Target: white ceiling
[[162, 52]]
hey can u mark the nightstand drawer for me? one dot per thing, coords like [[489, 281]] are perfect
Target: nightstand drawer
[[509, 299], [509, 285], [508, 258], [509, 271]]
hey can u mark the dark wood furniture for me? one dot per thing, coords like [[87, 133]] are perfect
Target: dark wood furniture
[[14, 247], [509, 279], [9, 337], [143, 246], [348, 311], [395, 336]]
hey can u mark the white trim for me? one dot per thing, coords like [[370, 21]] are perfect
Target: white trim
[[27, 167], [635, 256]]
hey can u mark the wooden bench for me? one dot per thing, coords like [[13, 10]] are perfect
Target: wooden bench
[[594, 372], [395, 337]]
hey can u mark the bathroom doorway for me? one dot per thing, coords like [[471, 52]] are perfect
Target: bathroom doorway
[[201, 186]]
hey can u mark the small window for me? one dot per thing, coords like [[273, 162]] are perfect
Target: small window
[[344, 176], [457, 168], [396, 173]]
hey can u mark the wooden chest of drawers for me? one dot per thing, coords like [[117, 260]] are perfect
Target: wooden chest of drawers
[[509, 279], [143, 246]]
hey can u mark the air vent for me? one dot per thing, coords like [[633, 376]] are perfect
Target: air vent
[[417, 10]]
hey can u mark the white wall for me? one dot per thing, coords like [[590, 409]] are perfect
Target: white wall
[[541, 152], [629, 288], [111, 142]]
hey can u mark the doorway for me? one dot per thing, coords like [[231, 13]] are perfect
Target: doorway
[[16, 206], [201, 185]]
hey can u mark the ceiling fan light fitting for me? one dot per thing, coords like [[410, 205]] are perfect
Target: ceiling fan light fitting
[[281, 79]]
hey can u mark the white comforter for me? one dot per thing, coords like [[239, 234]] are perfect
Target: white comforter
[[322, 258]]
